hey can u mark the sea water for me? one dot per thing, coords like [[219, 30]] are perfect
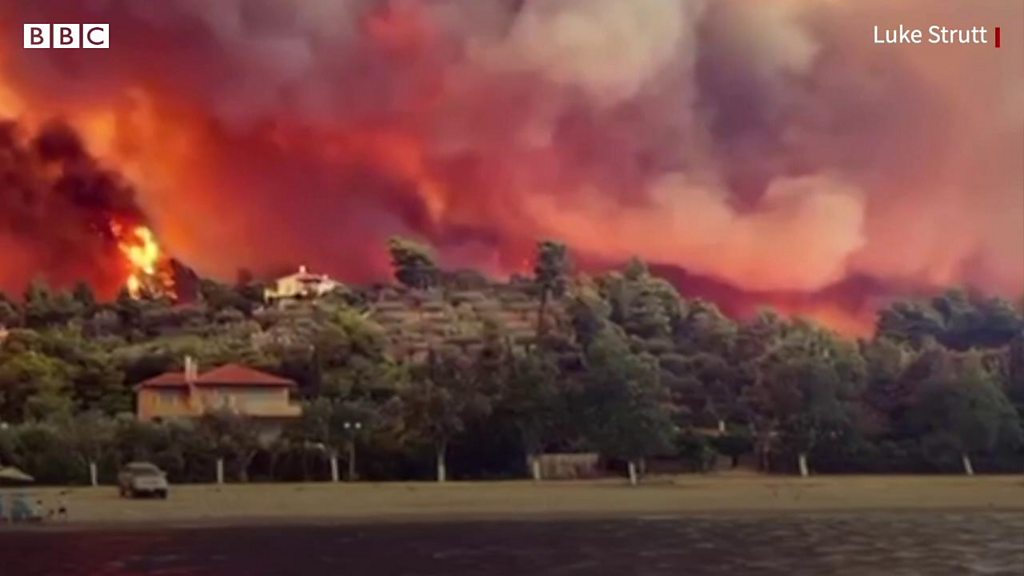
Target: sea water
[[875, 543]]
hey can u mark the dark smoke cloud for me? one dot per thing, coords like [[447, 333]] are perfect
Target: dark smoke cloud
[[768, 148], [56, 207]]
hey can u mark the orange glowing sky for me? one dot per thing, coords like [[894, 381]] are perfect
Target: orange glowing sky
[[767, 148]]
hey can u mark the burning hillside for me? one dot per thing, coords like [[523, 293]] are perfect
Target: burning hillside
[[66, 218], [765, 152], [62, 213]]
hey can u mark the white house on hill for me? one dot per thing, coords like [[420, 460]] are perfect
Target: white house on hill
[[299, 286]]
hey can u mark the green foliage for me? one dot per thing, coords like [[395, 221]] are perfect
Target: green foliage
[[332, 423], [444, 394], [1015, 372], [39, 449], [886, 389], [10, 315], [179, 448], [703, 328], [551, 272], [44, 307], [222, 298], [648, 308], [805, 385], [956, 319], [413, 263], [489, 370], [533, 398], [231, 437], [733, 445], [589, 311], [349, 358], [82, 294], [968, 411], [696, 450], [625, 405], [33, 386]]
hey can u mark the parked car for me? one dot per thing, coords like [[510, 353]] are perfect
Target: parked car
[[142, 479]]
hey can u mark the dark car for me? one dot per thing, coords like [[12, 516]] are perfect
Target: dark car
[[142, 479]]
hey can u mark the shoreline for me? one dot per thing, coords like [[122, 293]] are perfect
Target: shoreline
[[272, 522], [327, 504]]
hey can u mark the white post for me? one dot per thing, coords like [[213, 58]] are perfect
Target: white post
[[334, 467], [93, 474], [442, 472], [968, 468], [220, 470], [535, 467], [721, 426], [632, 473], [804, 472]]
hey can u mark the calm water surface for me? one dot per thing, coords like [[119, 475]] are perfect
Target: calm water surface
[[889, 544]]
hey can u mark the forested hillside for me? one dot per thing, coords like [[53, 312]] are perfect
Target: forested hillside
[[453, 366]]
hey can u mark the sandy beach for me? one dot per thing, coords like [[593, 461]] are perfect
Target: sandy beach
[[382, 502]]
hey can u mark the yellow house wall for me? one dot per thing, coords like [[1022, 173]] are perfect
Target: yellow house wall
[[255, 401]]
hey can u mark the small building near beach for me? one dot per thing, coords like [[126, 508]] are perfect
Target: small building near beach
[[570, 466], [263, 397]]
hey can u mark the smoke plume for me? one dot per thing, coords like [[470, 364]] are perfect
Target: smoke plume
[[768, 149], [56, 210]]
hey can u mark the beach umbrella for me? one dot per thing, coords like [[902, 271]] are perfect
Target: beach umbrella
[[12, 474]]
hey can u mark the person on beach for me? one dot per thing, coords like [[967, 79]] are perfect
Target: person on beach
[[60, 512], [62, 505]]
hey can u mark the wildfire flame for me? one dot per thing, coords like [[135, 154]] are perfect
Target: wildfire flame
[[143, 256]]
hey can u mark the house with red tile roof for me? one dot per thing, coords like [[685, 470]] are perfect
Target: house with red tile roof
[[233, 387]]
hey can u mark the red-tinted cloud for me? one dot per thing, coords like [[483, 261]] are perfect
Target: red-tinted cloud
[[767, 147]]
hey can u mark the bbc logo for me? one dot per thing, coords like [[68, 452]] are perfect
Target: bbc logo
[[67, 35]]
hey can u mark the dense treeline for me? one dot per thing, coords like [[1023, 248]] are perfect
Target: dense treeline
[[619, 364]]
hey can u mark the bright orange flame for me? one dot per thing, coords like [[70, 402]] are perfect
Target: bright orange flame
[[145, 253], [142, 252]]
